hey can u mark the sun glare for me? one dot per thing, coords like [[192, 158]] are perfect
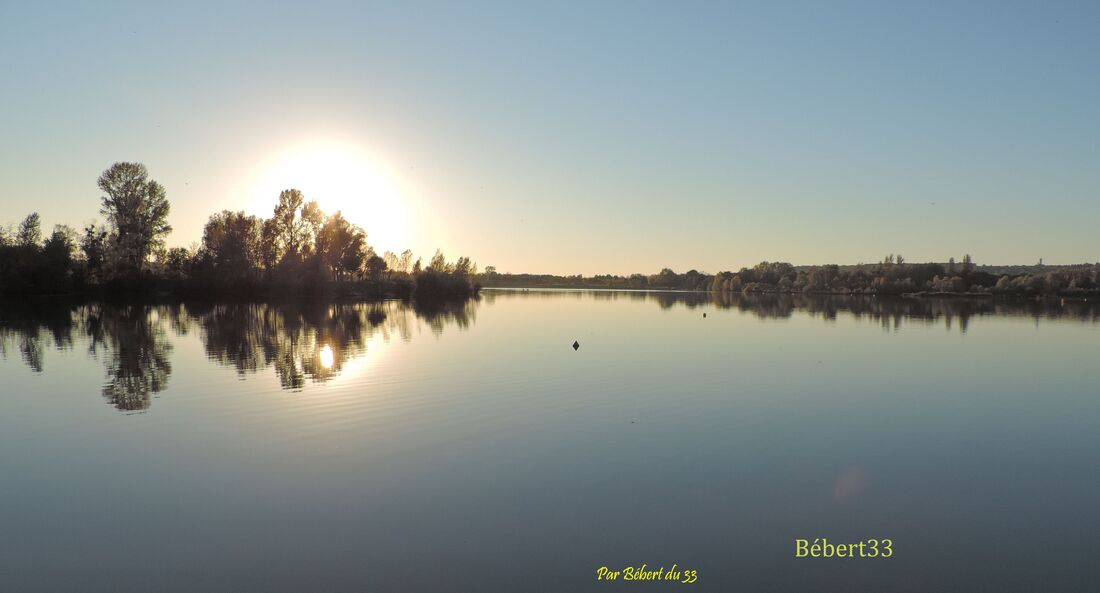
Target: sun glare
[[327, 357], [342, 178]]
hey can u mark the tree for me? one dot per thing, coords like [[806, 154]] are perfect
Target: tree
[[61, 245], [341, 245], [231, 242], [438, 262], [30, 231], [375, 266], [178, 261], [666, 278], [137, 209], [391, 260], [58, 251], [464, 267], [404, 261], [269, 244], [313, 220], [285, 233], [94, 244]]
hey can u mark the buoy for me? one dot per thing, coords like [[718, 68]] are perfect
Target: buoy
[[576, 344], [704, 315]]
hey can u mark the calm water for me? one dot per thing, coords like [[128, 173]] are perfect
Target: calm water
[[380, 448]]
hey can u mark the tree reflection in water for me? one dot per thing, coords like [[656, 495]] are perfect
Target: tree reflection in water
[[887, 311], [133, 343], [25, 328], [312, 342], [302, 342], [299, 341]]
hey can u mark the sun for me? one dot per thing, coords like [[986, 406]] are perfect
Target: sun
[[341, 177]]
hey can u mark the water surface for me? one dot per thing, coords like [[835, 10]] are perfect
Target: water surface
[[359, 447]]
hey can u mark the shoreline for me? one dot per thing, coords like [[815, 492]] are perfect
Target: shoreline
[[922, 295]]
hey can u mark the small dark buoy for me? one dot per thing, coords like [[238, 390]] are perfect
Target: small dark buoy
[[576, 344], [704, 315]]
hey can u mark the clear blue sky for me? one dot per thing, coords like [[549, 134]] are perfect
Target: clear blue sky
[[583, 137]]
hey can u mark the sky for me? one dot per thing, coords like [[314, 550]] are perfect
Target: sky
[[578, 138]]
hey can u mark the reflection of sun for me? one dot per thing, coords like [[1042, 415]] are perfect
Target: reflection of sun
[[357, 369], [327, 358], [341, 177]]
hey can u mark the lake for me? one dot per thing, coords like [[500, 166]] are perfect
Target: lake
[[382, 447]]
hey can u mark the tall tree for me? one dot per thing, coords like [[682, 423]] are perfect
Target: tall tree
[[286, 233], [59, 250], [375, 266], [341, 245], [405, 261], [313, 220], [270, 251], [231, 242], [94, 245], [438, 262], [391, 260], [30, 231], [136, 208]]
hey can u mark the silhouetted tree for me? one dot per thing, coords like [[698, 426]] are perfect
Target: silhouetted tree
[[178, 262], [391, 260], [438, 262], [342, 246], [59, 251], [270, 249], [285, 233], [30, 231], [441, 280], [94, 245], [375, 267], [136, 208], [313, 219], [231, 244], [404, 261]]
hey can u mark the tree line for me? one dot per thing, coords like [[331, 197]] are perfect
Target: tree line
[[299, 248], [892, 276], [666, 279]]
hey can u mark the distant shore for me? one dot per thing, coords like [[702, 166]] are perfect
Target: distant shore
[[894, 276], [1085, 297]]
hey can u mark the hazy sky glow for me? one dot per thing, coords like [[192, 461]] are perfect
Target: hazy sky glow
[[579, 137]]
